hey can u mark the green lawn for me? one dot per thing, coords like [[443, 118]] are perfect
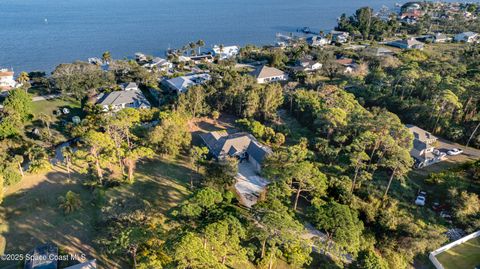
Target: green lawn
[[464, 256], [57, 124]]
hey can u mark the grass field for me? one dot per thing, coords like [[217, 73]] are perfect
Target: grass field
[[464, 256], [32, 215]]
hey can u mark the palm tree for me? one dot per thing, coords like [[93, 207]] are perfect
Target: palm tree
[[19, 160], [67, 153], [70, 202], [106, 57], [24, 80], [200, 44], [46, 119]]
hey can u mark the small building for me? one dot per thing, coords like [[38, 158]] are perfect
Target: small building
[[423, 147], [306, 65], [43, 257], [181, 84], [317, 41], [266, 74], [7, 82], [349, 65], [129, 96], [159, 63], [467, 37], [410, 43], [224, 53], [339, 36], [140, 57], [440, 38]]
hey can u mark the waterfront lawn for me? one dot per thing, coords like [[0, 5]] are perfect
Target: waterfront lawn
[[465, 255]]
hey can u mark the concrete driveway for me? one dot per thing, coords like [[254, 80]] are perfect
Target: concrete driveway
[[249, 184]]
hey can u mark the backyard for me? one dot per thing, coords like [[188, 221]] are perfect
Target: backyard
[[465, 255]]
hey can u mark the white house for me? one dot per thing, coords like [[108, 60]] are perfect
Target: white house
[[339, 36], [306, 65], [159, 63], [224, 53], [7, 82], [181, 84], [266, 74], [423, 151], [129, 96], [467, 37], [317, 41]]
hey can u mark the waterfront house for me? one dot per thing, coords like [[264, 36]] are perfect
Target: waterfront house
[[423, 147], [159, 63], [140, 57], [224, 53], [339, 36], [7, 82], [317, 41], [129, 96], [467, 37], [182, 83], [204, 58], [266, 74], [410, 43]]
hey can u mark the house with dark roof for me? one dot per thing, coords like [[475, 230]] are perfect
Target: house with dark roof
[[266, 74], [410, 43], [129, 96], [241, 145], [423, 150], [306, 65]]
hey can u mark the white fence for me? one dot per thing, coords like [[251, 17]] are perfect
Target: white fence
[[432, 255]]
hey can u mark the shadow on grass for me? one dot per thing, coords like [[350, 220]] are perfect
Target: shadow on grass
[[32, 217]]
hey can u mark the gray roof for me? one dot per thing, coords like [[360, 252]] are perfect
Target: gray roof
[[133, 97], [222, 144], [420, 134], [92, 264], [267, 72]]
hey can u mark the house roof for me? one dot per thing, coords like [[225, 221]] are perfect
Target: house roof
[[49, 251], [267, 72], [469, 34], [440, 36], [182, 83], [344, 61], [420, 134], [129, 86], [222, 144], [123, 97], [92, 264]]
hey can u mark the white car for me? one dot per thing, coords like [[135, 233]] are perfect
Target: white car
[[454, 152], [420, 200], [65, 111]]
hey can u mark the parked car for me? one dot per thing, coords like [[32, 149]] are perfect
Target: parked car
[[65, 110], [420, 200], [454, 152]]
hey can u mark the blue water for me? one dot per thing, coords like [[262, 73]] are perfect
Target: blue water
[[79, 29]]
